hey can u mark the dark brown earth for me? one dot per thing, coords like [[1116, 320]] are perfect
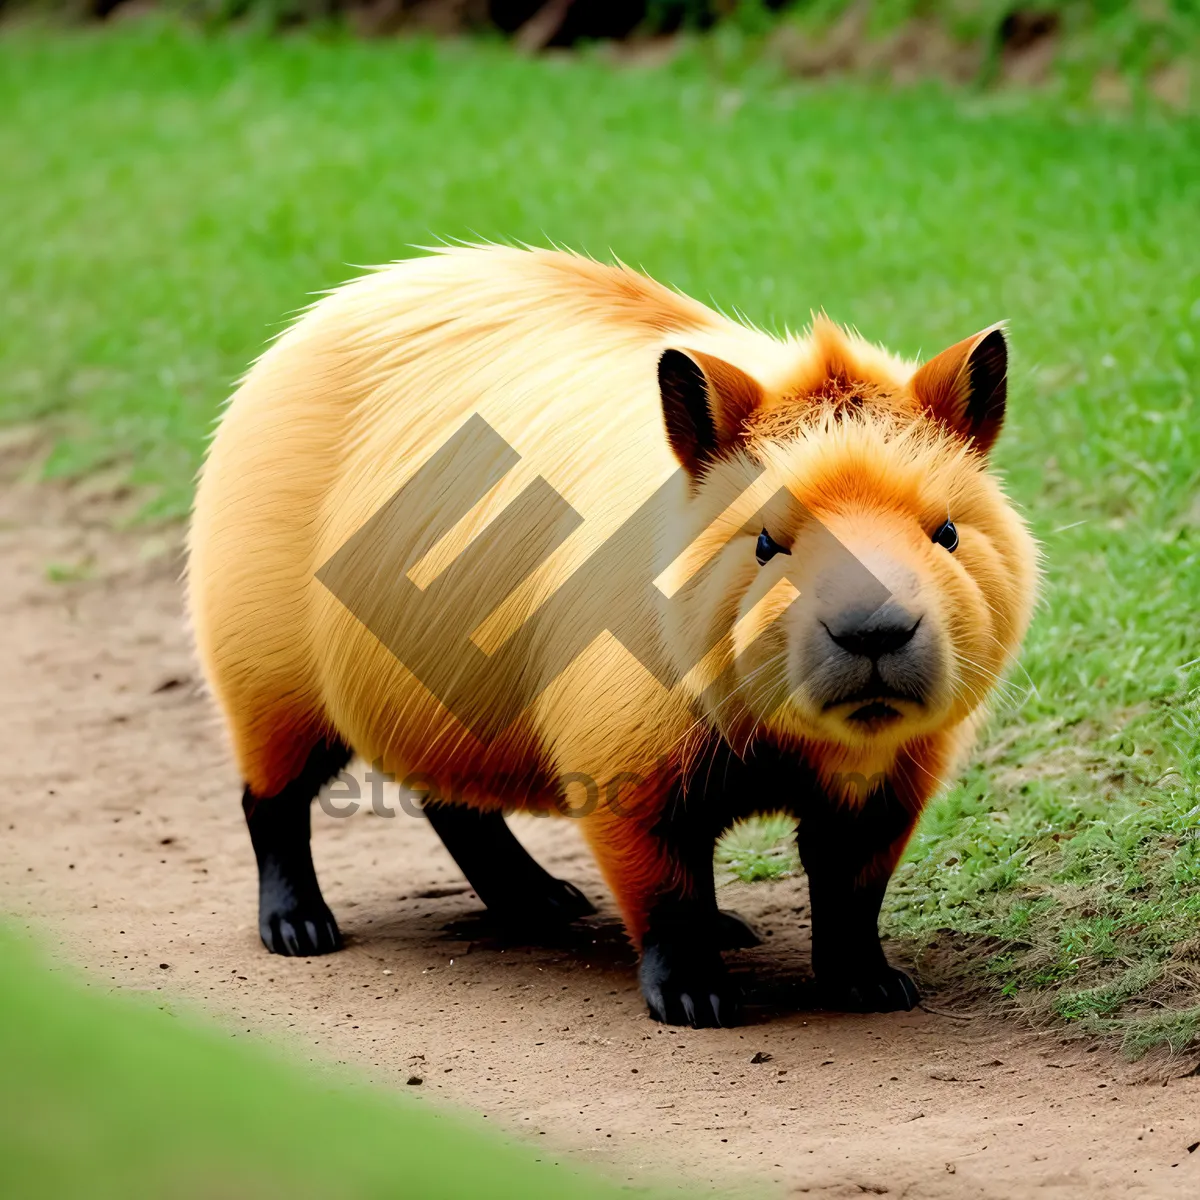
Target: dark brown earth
[[122, 844]]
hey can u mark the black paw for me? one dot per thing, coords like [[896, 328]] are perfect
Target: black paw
[[548, 904], [733, 933], [688, 987], [885, 990], [300, 933]]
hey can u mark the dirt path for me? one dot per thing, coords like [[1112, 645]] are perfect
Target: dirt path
[[121, 837]]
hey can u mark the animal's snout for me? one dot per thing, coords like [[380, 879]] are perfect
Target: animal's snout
[[873, 648], [872, 634], [872, 661]]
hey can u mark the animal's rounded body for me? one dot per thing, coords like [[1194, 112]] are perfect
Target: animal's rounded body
[[490, 519]]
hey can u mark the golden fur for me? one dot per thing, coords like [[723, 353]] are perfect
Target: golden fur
[[559, 355]]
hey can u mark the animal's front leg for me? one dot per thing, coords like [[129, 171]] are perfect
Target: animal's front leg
[[662, 876], [682, 976], [849, 855]]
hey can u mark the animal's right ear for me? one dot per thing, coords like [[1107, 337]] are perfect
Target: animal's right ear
[[965, 387], [706, 402]]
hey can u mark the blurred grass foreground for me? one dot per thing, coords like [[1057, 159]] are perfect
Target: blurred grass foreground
[[104, 1096]]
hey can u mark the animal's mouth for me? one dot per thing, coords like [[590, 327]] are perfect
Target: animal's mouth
[[876, 706], [875, 715], [876, 695]]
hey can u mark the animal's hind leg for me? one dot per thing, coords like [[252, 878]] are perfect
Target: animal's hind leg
[[735, 932], [293, 918], [513, 885]]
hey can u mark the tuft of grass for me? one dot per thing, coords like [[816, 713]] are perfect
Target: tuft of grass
[[76, 572], [170, 197], [759, 849]]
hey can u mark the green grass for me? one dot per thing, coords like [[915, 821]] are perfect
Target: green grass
[[759, 849], [106, 1096], [168, 199]]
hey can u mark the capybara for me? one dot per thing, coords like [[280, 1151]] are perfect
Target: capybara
[[530, 532]]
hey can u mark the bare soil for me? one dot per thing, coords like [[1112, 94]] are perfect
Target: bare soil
[[121, 842]]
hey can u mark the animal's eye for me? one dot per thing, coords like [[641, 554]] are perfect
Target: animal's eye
[[946, 536], [767, 548]]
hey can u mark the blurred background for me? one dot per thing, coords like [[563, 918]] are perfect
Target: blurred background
[[963, 40]]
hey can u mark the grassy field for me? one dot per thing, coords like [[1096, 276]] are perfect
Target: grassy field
[[169, 199], [103, 1096]]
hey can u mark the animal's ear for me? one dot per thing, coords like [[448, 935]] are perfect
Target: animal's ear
[[706, 402], [965, 387]]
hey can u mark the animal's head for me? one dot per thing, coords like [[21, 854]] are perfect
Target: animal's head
[[854, 565]]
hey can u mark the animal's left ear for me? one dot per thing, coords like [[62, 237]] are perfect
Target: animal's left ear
[[965, 387], [706, 402]]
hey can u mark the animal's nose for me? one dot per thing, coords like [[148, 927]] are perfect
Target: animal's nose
[[874, 634]]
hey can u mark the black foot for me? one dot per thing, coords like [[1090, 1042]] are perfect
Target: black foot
[[885, 990], [300, 933], [547, 903], [688, 987], [293, 919], [734, 933]]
